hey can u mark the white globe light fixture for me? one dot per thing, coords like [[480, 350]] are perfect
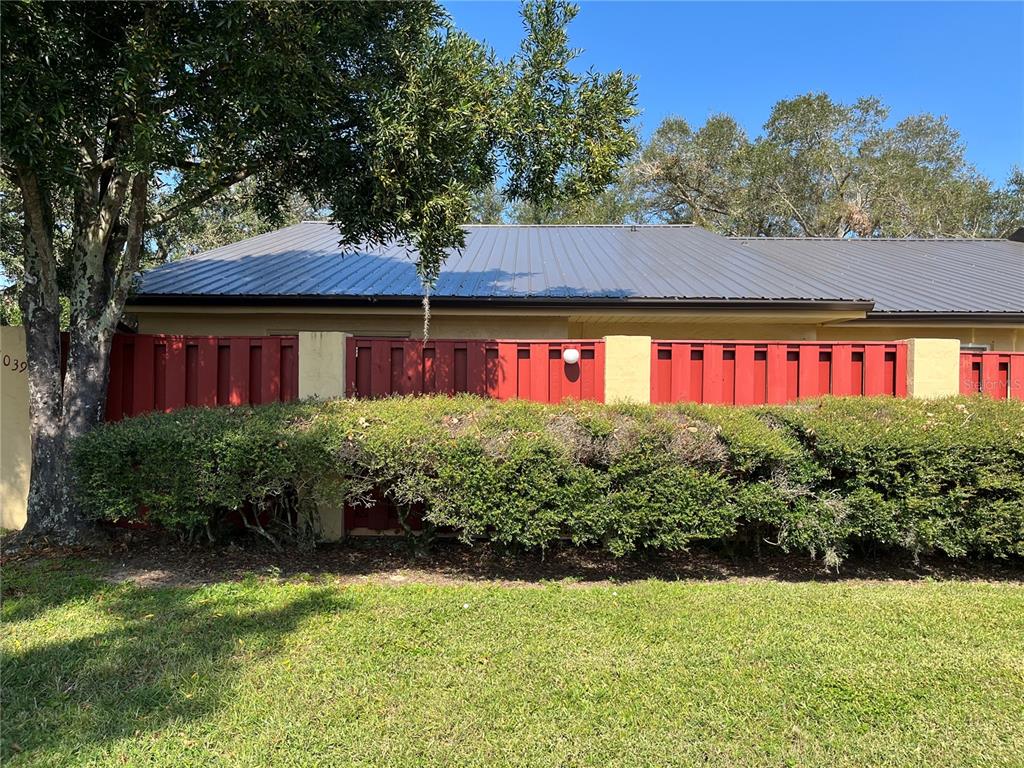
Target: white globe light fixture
[[570, 356]]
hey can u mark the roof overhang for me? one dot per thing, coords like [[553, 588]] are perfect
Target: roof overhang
[[566, 303], [964, 318]]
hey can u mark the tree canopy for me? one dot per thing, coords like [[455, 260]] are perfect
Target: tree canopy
[[818, 168], [823, 168], [122, 118]]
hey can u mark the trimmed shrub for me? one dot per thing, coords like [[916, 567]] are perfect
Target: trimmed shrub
[[942, 475], [822, 477]]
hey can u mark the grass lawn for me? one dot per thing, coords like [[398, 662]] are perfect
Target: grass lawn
[[316, 671]]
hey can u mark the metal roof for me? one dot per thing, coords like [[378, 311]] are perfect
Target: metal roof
[[607, 265], [912, 275]]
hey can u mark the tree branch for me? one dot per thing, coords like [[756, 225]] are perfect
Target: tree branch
[[35, 216], [796, 214], [39, 292], [109, 211], [133, 249], [200, 197]]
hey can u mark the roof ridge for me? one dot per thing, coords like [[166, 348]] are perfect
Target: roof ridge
[[237, 242], [873, 239], [582, 226], [550, 226]]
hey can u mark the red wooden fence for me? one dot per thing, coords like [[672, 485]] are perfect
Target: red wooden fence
[[528, 370], [996, 374], [161, 373], [753, 372]]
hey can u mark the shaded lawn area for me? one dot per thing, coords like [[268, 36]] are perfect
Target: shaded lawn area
[[313, 671]]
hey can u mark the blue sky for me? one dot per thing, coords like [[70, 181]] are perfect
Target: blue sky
[[963, 60]]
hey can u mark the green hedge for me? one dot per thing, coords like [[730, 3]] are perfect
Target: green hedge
[[821, 477]]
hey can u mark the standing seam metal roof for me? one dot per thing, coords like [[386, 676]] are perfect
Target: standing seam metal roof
[[941, 275], [653, 262]]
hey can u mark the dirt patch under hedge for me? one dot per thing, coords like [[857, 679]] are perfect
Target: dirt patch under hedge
[[152, 560]]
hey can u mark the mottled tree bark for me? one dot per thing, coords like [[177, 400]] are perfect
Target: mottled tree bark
[[106, 251], [40, 306]]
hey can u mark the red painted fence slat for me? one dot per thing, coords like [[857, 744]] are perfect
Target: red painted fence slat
[[499, 368], [877, 368], [999, 375], [503, 369], [901, 370], [752, 372], [163, 372]]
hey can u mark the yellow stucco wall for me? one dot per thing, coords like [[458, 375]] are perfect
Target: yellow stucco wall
[[684, 330], [998, 338], [401, 324], [530, 324], [933, 367], [15, 446], [627, 369], [322, 364]]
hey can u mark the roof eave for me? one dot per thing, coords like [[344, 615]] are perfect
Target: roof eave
[[558, 302], [911, 316]]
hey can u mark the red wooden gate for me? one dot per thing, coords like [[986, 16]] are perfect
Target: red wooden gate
[[753, 372], [996, 374], [161, 373], [528, 370]]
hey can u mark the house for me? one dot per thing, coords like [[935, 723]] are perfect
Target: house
[[579, 282], [644, 290]]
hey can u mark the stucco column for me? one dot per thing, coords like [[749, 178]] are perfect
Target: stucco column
[[15, 440], [627, 369], [322, 375], [933, 367], [322, 364]]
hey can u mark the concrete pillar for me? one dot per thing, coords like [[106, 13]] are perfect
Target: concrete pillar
[[332, 521], [322, 375], [15, 443], [330, 518], [627, 369], [933, 367], [322, 364]]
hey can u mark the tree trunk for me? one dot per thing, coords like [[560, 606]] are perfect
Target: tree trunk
[[46, 508], [40, 306], [85, 384], [64, 407], [85, 394], [105, 255]]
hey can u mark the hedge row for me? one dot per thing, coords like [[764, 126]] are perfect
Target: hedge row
[[821, 477]]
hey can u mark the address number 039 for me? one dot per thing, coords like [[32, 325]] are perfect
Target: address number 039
[[15, 364]]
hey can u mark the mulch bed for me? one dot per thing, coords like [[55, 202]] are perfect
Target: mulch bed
[[152, 559]]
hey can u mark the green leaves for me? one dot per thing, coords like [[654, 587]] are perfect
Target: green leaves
[[381, 113], [565, 134], [825, 477], [822, 168]]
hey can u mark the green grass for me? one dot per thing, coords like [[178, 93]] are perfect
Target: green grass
[[755, 673]]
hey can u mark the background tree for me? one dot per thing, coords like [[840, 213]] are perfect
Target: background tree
[[10, 252], [381, 113], [618, 203], [488, 205], [621, 202], [696, 177], [823, 169], [1008, 206], [233, 215]]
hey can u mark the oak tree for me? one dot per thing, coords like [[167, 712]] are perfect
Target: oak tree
[[822, 168], [383, 114]]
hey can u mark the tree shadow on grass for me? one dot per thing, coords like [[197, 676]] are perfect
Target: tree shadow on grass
[[448, 561], [172, 656], [29, 589]]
